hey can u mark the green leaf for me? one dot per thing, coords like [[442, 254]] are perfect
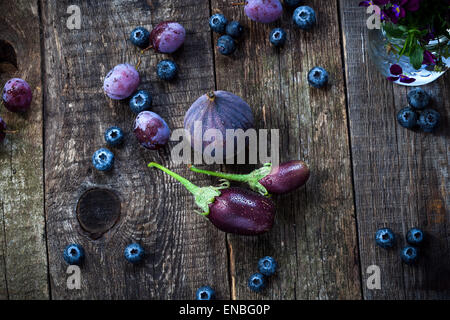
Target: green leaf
[[416, 57]]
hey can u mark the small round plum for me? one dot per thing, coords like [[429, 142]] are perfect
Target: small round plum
[[151, 130], [17, 95], [121, 81], [167, 37], [264, 11]]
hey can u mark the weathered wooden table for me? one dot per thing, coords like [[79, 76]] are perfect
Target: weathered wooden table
[[367, 172]]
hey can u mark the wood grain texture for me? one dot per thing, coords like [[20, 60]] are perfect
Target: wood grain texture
[[183, 250], [23, 256], [401, 177], [314, 238]]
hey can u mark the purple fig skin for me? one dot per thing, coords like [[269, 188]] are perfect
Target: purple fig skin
[[219, 110], [286, 177], [241, 211]]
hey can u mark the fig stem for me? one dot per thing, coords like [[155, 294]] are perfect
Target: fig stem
[[224, 175], [204, 196]]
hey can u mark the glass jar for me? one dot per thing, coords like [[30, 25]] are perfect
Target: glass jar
[[384, 56]]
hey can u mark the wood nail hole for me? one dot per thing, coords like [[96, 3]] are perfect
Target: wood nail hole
[[8, 57], [98, 210]]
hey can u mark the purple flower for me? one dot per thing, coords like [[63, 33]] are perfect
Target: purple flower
[[428, 58], [397, 74], [373, 2]]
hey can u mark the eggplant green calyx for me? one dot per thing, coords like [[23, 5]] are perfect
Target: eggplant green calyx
[[252, 178], [204, 196]]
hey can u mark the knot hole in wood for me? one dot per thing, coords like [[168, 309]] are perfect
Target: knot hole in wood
[[8, 57], [98, 210]]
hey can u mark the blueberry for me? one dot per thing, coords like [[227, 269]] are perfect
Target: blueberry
[[226, 45], [256, 282], [385, 238], [292, 3], [141, 101], [418, 98], [409, 255], [140, 37], [167, 70], [415, 236], [267, 266], [407, 118], [218, 23], [134, 253], [103, 159], [73, 254], [205, 293], [318, 77], [114, 136], [304, 17], [234, 29], [277, 37], [429, 120]]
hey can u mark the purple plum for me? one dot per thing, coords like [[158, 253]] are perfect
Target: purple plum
[[17, 95], [121, 81], [151, 130], [263, 11], [167, 37]]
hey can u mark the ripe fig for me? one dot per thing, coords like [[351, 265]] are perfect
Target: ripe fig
[[219, 110]]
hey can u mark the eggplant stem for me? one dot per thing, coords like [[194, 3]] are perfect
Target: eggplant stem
[[204, 196], [185, 182], [226, 176]]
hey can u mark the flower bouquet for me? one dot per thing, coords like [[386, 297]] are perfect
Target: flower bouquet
[[412, 45]]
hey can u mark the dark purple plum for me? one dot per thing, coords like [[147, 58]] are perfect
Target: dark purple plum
[[151, 130], [121, 81], [284, 178], [167, 37], [220, 110], [2, 129], [234, 210], [263, 11], [17, 95]]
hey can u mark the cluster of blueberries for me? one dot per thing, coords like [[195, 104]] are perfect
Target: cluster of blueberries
[[267, 267], [385, 238], [304, 17], [74, 254], [417, 114], [165, 69], [103, 159]]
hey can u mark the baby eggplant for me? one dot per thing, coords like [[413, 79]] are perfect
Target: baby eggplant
[[232, 210], [284, 178]]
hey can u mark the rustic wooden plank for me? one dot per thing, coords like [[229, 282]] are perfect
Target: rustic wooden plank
[[183, 250], [314, 238], [23, 256], [401, 177]]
